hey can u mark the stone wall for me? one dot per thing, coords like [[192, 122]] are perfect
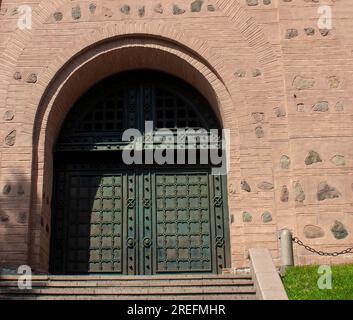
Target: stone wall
[[280, 83]]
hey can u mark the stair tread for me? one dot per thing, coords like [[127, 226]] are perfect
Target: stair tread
[[125, 297], [125, 278], [127, 284], [136, 290]]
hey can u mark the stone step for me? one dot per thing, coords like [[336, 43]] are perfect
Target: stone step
[[128, 278], [127, 297], [113, 287], [132, 290], [136, 283]]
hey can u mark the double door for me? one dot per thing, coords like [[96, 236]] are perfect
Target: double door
[[138, 222]]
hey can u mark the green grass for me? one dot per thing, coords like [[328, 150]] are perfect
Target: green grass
[[301, 283]]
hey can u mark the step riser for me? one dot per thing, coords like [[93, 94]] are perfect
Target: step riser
[[128, 284], [144, 298], [129, 278], [132, 291]]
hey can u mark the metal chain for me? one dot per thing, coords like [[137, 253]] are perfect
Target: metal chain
[[321, 253]]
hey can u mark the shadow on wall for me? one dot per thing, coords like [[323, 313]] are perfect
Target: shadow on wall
[[14, 222]]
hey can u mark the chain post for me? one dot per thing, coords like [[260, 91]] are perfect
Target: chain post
[[287, 258]]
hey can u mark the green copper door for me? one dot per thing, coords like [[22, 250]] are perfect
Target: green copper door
[[109, 217]]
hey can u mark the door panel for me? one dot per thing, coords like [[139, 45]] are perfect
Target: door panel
[[183, 228]]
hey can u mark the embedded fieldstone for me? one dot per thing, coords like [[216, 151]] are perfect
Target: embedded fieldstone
[[259, 132], [211, 8], [10, 139], [264, 185], [258, 116], [7, 189], [245, 186], [284, 194], [141, 11], [321, 106], [338, 160], [267, 2], [312, 157], [58, 16], [92, 8], [339, 106], [309, 31], [9, 115], [177, 10], [3, 11], [324, 32], [240, 73], [266, 217], [125, 9], [17, 76], [333, 82], [285, 162], [313, 232], [196, 6], [22, 217], [256, 73], [291, 33], [158, 8], [32, 78], [107, 12], [326, 191], [252, 2], [339, 230], [4, 217], [301, 83], [280, 112], [76, 13], [247, 217], [299, 193]]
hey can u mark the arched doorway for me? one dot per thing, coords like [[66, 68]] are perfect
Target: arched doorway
[[139, 219]]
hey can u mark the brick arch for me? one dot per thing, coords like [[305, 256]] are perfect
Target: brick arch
[[239, 19], [76, 77]]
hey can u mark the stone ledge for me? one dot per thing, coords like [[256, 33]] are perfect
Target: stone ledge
[[266, 278]]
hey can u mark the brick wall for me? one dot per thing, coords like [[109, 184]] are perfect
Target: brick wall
[[279, 83]]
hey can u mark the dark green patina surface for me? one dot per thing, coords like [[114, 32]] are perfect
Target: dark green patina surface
[[137, 219]]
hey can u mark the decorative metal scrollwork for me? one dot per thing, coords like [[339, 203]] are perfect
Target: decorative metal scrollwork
[[147, 242], [219, 241], [218, 201], [147, 203], [131, 203], [130, 243]]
